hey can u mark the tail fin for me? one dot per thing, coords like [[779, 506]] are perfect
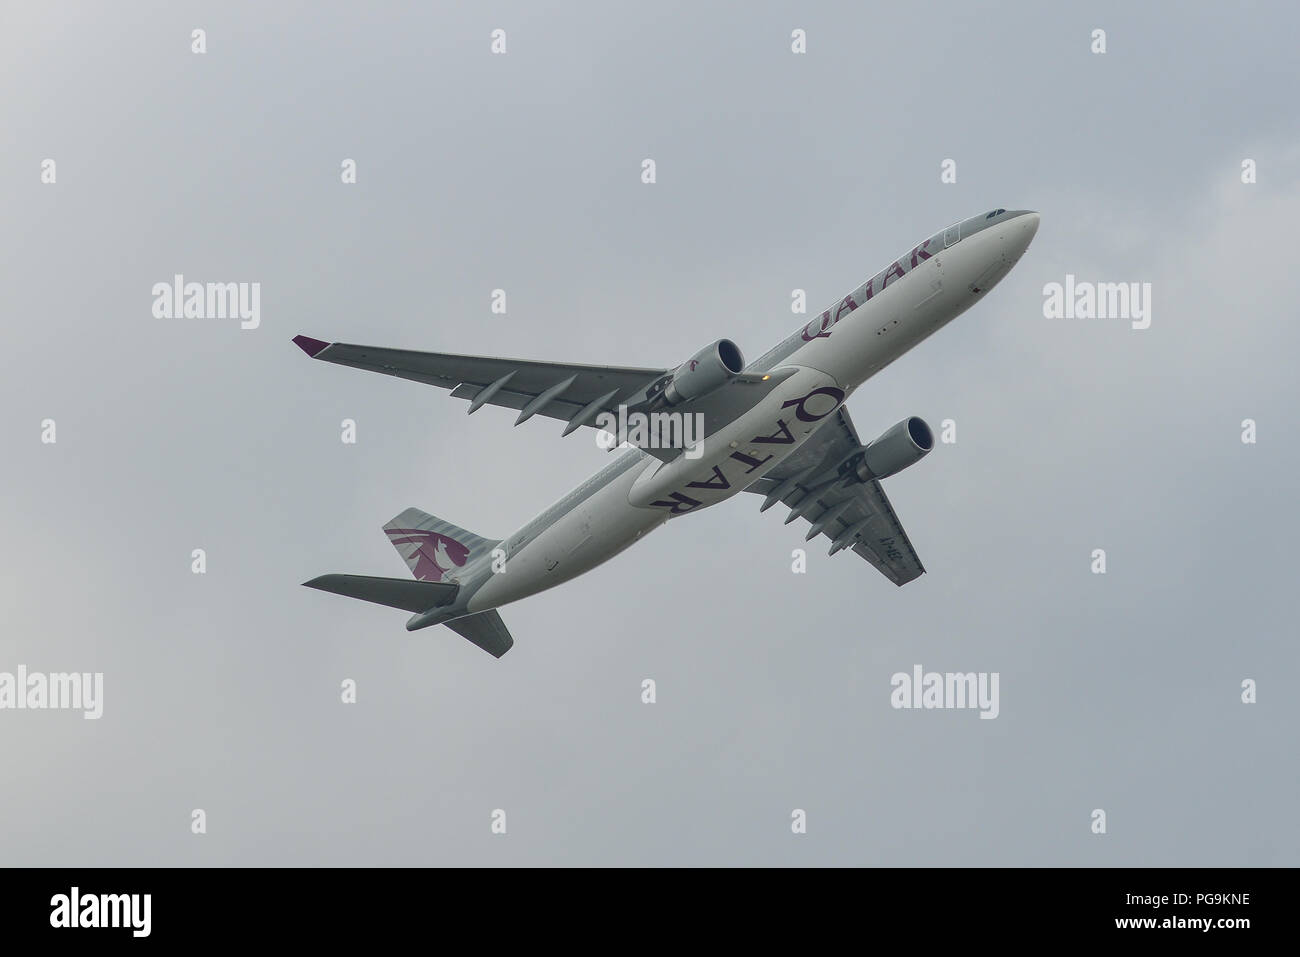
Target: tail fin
[[432, 548]]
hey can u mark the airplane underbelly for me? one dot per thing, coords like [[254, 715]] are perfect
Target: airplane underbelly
[[589, 538], [590, 534], [743, 451]]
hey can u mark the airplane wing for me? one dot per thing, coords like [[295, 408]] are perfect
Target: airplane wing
[[574, 394], [816, 483]]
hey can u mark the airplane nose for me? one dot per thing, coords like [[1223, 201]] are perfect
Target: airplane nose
[[1021, 233]]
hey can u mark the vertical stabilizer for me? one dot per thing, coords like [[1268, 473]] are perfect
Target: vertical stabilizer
[[432, 548]]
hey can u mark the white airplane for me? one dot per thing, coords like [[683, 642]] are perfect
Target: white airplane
[[777, 427]]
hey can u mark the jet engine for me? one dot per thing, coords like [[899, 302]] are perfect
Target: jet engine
[[902, 445], [710, 368]]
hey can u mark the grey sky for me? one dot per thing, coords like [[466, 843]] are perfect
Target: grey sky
[[522, 171]]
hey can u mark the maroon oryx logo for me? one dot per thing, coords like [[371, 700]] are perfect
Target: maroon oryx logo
[[434, 555]]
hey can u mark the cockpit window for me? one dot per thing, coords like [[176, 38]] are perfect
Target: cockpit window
[[994, 213]]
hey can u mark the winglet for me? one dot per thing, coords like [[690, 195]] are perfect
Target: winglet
[[309, 345]]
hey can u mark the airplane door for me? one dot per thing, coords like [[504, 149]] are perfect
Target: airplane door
[[951, 235], [584, 531], [562, 548]]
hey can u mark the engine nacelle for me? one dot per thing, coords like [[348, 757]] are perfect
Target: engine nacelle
[[710, 368], [902, 445]]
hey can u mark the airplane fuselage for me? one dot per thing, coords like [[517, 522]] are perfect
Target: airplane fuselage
[[823, 363]]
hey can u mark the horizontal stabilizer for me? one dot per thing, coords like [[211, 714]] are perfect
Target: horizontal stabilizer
[[413, 596], [485, 629]]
